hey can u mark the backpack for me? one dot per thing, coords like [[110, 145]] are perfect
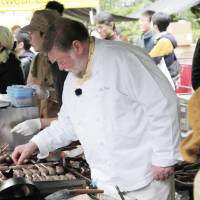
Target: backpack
[[175, 67]]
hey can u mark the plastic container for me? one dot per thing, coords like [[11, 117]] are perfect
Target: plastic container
[[185, 84], [20, 95], [183, 111]]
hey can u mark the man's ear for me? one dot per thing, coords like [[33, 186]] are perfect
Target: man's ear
[[77, 47]]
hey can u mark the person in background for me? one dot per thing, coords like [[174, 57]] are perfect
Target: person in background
[[10, 70], [129, 132], [44, 76], [23, 51], [15, 28], [105, 26], [165, 44], [55, 5], [196, 67], [95, 33], [147, 39], [190, 146]]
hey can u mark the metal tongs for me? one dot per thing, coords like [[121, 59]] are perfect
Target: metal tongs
[[3, 148], [120, 193]]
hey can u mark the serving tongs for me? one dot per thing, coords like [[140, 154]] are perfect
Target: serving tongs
[[3, 148]]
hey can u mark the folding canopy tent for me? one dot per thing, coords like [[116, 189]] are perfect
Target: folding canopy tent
[[79, 9], [30, 5], [167, 6], [84, 14]]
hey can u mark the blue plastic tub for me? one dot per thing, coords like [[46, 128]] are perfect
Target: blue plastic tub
[[20, 95]]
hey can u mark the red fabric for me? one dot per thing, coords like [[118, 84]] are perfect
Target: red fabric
[[185, 85]]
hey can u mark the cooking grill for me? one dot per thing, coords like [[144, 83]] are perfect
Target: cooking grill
[[42, 178], [45, 187], [184, 176]]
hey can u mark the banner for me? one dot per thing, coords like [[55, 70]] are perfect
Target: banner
[[30, 5]]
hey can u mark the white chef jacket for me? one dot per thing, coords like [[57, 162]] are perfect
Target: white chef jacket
[[126, 118]]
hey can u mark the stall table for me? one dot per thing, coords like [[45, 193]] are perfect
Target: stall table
[[11, 116]]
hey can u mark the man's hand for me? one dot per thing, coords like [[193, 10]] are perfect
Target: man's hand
[[27, 127], [161, 173], [23, 152], [41, 92]]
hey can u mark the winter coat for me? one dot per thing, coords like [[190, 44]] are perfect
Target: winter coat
[[10, 73], [190, 146], [147, 41], [26, 59]]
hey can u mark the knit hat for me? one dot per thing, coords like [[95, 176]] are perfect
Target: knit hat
[[6, 38], [41, 20]]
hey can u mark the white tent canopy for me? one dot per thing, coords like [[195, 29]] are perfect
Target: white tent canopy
[[167, 6], [84, 14]]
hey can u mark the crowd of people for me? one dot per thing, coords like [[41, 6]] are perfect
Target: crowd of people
[[125, 114]]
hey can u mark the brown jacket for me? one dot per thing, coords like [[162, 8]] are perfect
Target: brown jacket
[[40, 73], [190, 146]]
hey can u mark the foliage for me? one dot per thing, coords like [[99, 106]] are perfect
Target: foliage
[[196, 11]]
